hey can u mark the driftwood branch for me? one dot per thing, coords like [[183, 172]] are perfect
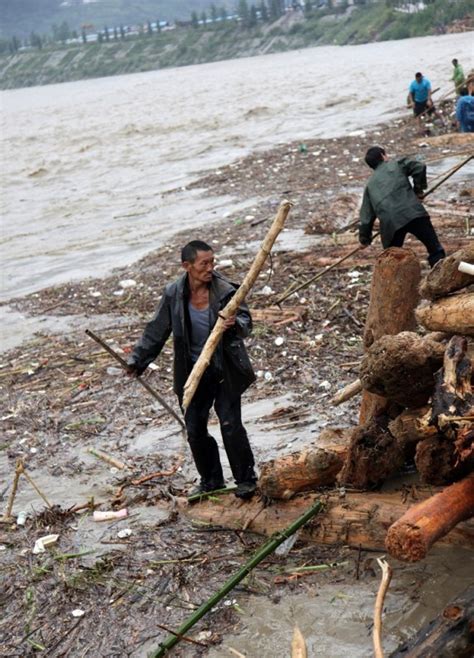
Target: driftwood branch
[[231, 308], [347, 392], [385, 582]]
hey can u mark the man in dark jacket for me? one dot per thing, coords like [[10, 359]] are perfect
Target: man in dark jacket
[[189, 309], [390, 197]]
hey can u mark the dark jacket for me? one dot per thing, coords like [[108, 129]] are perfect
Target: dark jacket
[[230, 361], [390, 197]]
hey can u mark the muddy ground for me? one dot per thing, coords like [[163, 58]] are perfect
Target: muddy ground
[[102, 592]]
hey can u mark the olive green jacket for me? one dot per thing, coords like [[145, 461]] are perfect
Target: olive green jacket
[[390, 197]]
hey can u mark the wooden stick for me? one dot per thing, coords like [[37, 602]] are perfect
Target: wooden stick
[[377, 631], [231, 308], [145, 384], [347, 392], [36, 488], [298, 644], [291, 290], [107, 458], [7, 516]]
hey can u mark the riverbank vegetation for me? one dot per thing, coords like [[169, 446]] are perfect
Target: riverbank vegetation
[[74, 54]]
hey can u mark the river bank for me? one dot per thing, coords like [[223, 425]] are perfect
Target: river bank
[[184, 46], [62, 396]]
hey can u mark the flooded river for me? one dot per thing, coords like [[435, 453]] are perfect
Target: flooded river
[[85, 164]]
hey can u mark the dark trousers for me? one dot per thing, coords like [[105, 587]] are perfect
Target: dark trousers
[[423, 229], [204, 447]]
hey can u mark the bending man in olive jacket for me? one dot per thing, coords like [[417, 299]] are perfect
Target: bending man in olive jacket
[[390, 197], [189, 309]]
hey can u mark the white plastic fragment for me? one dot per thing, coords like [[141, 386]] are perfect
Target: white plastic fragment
[[225, 262], [43, 543], [266, 290], [122, 534], [325, 385], [279, 341], [21, 518], [95, 293], [268, 376], [100, 515], [467, 268], [78, 612], [127, 283]]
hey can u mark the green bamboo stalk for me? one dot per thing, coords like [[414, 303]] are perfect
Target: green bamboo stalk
[[265, 550], [203, 495]]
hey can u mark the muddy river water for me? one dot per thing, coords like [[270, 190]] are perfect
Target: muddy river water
[[94, 175]]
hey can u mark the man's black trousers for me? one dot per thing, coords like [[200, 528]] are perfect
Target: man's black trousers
[[203, 445], [423, 229]]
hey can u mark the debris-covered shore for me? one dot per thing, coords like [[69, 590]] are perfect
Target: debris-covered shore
[[100, 591]]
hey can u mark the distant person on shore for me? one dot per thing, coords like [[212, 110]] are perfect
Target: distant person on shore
[[390, 196], [188, 310], [465, 108], [458, 77], [419, 92]]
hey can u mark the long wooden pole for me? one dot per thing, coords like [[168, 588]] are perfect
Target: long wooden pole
[[145, 385], [233, 305], [448, 175], [229, 585], [289, 291]]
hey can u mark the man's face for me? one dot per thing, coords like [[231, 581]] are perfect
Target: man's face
[[201, 270], [419, 78]]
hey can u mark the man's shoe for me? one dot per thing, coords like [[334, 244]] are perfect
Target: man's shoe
[[205, 487], [245, 490]]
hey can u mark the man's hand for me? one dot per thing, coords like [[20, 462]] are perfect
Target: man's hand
[[228, 322]]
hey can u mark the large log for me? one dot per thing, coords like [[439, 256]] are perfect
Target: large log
[[445, 277], [356, 519], [450, 635], [411, 537], [401, 368], [437, 462], [393, 298], [453, 314], [373, 455], [316, 466]]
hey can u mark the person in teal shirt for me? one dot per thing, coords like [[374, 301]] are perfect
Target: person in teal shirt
[[420, 95]]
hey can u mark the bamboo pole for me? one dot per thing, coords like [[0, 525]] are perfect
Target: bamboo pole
[[7, 516], [145, 384], [291, 290], [231, 308], [229, 585]]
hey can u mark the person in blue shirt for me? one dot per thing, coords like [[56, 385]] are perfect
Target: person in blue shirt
[[421, 101], [465, 109]]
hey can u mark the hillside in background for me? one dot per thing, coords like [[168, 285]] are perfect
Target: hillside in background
[[21, 17], [150, 47]]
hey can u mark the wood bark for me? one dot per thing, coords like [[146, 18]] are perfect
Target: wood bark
[[401, 368], [412, 426], [393, 299], [411, 537], [450, 635], [373, 455], [453, 314], [301, 471], [231, 308], [356, 519], [445, 277]]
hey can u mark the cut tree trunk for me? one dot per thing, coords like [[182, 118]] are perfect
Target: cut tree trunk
[[411, 537], [445, 277], [356, 519], [450, 635], [393, 299], [436, 461], [453, 315], [301, 471], [374, 454], [401, 368]]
